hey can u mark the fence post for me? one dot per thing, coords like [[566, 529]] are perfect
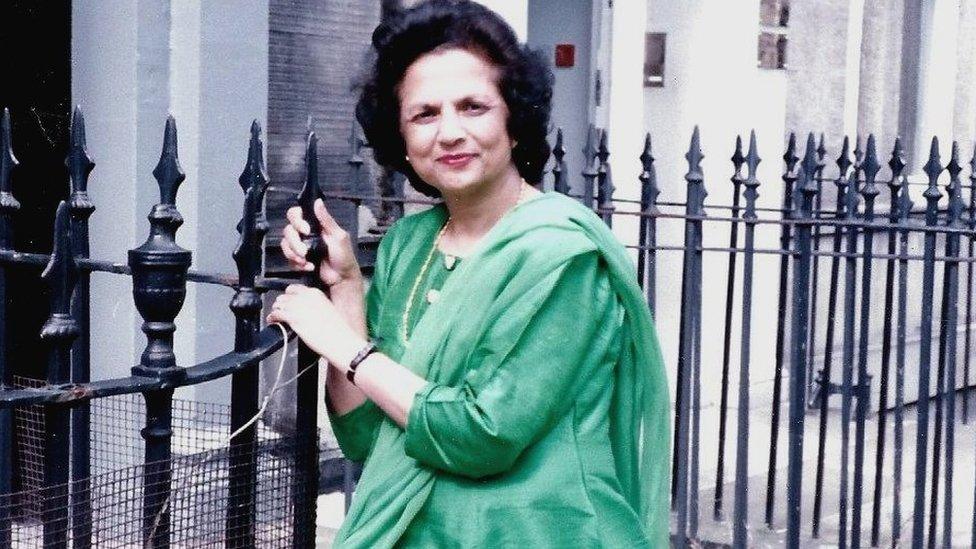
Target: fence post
[[949, 328], [159, 269], [686, 497], [605, 188], [647, 240], [971, 247], [932, 195], [58, 332], [815, 277], [869, 191], [897, 164], [904, 211], [740, 538], [8, 206], [737, 161], [824, 385], [246, 305], [789, 177], [80, 166], [800, 316], [305, 490], [559, 182]]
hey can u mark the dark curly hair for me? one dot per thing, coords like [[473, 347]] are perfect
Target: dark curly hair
[[525, 80]]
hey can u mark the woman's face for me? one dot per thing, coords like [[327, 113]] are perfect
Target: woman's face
[[453, 122]]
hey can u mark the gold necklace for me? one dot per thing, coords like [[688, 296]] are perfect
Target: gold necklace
[[404, 322]]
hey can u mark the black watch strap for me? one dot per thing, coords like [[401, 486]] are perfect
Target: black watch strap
[[369, 349]]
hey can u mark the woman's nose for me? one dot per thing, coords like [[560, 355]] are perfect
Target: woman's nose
[[450, 132]]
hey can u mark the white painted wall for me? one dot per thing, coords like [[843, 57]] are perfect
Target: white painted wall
[[134, 62], [554, 22], [714, 83], [515, 13]]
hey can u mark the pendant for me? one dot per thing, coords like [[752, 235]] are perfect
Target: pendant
[[433, 295], [450, 261]]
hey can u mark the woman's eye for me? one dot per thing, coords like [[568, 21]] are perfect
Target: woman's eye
[[423, 116], [474, 107]]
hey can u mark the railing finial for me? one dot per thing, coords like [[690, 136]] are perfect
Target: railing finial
[[954, 188], [80, 166], [737, 160], [751, 182], [870, 166], [310, 192], [932, 169], [695, 177], [168, 172], [252, 228], [648, 178], [61, 275]]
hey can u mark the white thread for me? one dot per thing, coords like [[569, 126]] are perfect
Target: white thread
[[227, 440]]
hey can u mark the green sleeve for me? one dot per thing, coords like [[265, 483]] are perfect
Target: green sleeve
[[530, 366], [355, 430]]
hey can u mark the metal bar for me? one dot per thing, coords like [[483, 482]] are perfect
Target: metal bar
[[694, 178], [896, 164], [815, 279], [970, 246], [951, 315], [246, 306], [8, 207], [789, 177], [57, 334], [737, 161], [932, 194], [740, 536], [904, 207], [800, 316], [268, 341], [80, 166], [647, 258], [305, 488], [589, 173], [869, 191], [560, 182], [159, 287], [843, 163]]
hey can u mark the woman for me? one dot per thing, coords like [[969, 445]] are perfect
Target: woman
[[517, 397]]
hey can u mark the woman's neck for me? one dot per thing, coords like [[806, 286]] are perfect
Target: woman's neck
[[473, 215]]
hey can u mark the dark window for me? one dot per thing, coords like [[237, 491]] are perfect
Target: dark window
[[654, 60], [774, 17]]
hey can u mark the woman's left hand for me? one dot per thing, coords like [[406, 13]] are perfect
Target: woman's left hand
[[317, 322]]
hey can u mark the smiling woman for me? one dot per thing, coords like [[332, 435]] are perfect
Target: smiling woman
[[482, 422]]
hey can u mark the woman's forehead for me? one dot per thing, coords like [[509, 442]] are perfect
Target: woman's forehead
[[446, 75]]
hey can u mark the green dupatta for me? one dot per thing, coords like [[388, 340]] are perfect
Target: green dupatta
[[528, 242]]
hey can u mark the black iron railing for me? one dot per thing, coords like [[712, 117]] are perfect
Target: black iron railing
[[842, 314], [260, 484]]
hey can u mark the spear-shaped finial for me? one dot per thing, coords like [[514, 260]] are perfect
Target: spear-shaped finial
[[844, 161], [61, 275], [737, 160], [168, 172], [695, 177], [897, 162], [311, 191], [954, 188], [648, 178], [821, 153], [78, 162], [751, 183], [870, 166], [789, 157], [932, 169]]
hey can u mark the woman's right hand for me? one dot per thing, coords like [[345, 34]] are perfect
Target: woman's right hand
[[339, 266]]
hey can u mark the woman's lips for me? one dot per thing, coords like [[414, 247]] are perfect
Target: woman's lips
[[455, 160]]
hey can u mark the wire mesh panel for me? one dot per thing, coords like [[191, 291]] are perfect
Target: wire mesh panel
[[200, 471]]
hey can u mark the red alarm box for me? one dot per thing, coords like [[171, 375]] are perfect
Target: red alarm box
[[565, 55]]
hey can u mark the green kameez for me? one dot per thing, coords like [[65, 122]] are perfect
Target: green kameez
[[524, 435]]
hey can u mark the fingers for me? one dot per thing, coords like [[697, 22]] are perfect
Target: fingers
[[328, 223], [294, 216]]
